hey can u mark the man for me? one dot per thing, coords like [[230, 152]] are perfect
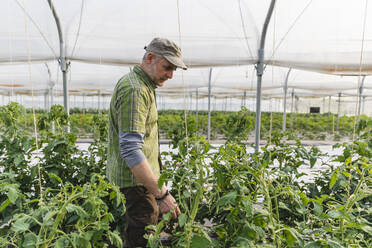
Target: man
[[133, 159]]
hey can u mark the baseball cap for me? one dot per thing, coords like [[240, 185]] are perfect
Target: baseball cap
[[168, 49]]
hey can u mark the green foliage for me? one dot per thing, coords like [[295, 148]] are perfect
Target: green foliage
[[224, 124], [241, 199], [229, 197], [77, 216], [76, 206]]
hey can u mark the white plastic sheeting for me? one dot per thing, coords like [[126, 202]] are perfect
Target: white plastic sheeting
[[103, 38]]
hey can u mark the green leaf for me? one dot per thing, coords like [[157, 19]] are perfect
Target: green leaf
[[77, 209], [12, 193], [346, 174], [21, 225], [112, 195], [55, 177], [348, 161], [88, 235], [314, 244], [335, 214], [182, 219], [283, 206], [248, 207], [61, 243], [29, 240], [367, 229], [34, 171], [82, 242], [167, 216], [312, 161], [161, 180], [334, 244], [18, 160], [228, 198], [115, 239], [252, 231], [318, 208], [291, 236], [49, 215], [4, 205], [200, 242], [333, 180]]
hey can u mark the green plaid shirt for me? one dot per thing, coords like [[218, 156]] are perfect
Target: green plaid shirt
[[132, 109]]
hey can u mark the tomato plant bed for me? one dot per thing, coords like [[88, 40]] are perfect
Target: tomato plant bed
[[253, 203], [65, 201]]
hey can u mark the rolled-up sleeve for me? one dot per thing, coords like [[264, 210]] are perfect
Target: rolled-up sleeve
[[131, 148]]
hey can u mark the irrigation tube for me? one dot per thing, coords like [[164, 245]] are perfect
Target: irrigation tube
[[285, 99], [360, 97], [260, 69], [209, 104], [62, 58]]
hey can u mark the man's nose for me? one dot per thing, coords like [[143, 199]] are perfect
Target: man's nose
[[170, 74]]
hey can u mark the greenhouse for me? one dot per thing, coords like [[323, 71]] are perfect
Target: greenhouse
[[265, 140]]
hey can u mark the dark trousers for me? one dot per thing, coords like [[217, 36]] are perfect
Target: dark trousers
[[141, 211]]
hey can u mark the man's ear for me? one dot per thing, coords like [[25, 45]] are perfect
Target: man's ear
[[150, 57]]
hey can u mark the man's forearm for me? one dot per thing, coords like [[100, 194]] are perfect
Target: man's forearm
[[144, 175]]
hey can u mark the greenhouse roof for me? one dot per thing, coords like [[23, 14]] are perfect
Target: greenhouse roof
[[319, 39]]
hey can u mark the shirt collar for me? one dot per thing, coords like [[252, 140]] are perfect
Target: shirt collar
[[145, 78]]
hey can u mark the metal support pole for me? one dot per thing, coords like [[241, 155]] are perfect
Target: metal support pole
[[46, 101], [243, 99], [338, 111], [285, 88], [51, 92], [364, 105], [209, 104], [84, 103], [64, 65], [215, 103], [360, 97], [259, 70], [297, 99], [196, 108], [292, 101], [99, 101], [292, 107], [190, 108], [323, 108], [51, 86], [329, 105]]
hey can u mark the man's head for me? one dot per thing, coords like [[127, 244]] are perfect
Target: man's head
[[162, 57]]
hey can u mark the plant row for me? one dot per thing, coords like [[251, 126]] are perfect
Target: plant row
[[54, 195], [224, 124], [231, 198], [51, 193]]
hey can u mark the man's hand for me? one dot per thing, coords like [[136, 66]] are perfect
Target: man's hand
[[169, 204]]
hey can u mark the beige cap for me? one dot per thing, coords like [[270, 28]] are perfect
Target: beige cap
[[168, 49]]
